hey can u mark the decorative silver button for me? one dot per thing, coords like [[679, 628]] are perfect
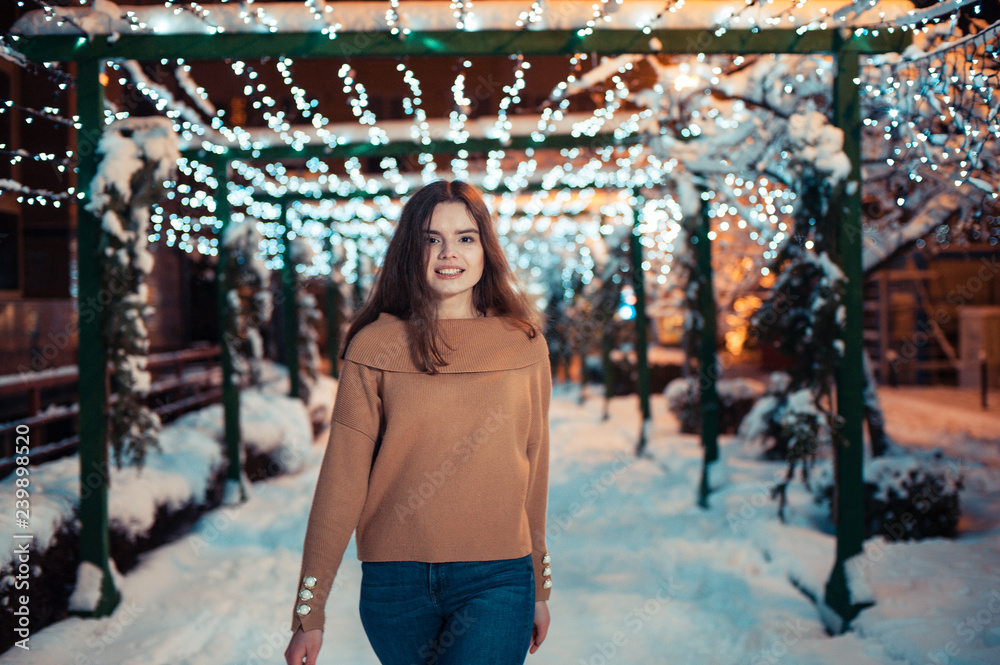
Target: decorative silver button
[[548, 583], [546, 558], [309, 581], [303, 610], [305, 594], [547, 571]]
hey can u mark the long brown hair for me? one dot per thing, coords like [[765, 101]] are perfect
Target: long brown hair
[[401, 288]]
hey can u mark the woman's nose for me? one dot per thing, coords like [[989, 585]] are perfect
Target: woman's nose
[[446, 250]]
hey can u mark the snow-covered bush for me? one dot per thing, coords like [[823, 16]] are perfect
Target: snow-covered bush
[[308, 322], [249, 304], [274, 428], [180, 480], [310, 318], [584, 282], [803, 316], [790, 426], [147, 506], [784, 422], [138, 156], [736, 398], [906, 498], [51, 580]]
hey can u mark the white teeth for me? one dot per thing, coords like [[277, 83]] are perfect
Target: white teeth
[[449, 271]]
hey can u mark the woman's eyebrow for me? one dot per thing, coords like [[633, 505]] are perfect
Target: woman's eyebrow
[[437, 233]]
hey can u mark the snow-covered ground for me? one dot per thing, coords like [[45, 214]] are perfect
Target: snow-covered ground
[[174, 476], [949, 418], [641, 574]]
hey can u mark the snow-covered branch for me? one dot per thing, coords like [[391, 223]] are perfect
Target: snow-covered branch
[[883, 245]]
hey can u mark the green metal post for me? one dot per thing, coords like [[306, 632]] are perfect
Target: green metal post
[[230, 387], [92, 356], [291, 306], [638, 284], [333, 303], [848, 458], [359, 294], [707, 374], [606, 310], [609, 370]]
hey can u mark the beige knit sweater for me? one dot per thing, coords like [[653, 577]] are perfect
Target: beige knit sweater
[[434, 468]]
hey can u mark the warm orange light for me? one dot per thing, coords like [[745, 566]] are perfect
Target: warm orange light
[[684, 81]]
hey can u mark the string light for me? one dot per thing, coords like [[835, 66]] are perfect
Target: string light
[[460, 111], [392, 19], [462, 11], [634, 166], [359, 105]]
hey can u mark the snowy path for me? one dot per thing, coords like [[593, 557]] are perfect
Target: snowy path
[[944, 417], [642, 575]]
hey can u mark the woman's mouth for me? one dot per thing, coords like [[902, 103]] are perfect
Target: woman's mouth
[[448, 273]]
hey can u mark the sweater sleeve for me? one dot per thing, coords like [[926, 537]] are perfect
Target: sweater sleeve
[[538, 481], [340, 491]]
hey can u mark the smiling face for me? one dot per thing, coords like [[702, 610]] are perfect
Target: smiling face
[[454, 259]]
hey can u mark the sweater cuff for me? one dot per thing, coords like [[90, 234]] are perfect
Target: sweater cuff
[[542, 563], [309, 606]]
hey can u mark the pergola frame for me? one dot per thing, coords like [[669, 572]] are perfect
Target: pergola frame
[[846, 45], [65, 48], [406, 148]]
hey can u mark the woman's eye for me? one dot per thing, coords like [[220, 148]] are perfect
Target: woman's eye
[[468, 239]]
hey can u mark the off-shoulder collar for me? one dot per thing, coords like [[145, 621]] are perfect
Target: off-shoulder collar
[[487, 344]]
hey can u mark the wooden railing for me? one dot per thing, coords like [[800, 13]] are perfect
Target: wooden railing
[[182, 381]]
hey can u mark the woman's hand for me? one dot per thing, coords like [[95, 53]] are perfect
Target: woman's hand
[[541, 628], [306, 644]]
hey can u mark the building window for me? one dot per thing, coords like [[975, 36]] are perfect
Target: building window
[[10, 255]]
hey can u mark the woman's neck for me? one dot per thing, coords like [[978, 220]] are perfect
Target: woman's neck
[[459, 310]]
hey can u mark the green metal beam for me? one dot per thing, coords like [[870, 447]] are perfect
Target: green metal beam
[[392, 193], [291, 310], [641, 322], [92, 355], [230, 389], [408, 148], [849, 455], [707, 365], [450, 43]]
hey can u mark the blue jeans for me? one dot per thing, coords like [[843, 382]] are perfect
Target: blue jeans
[[453, 613]]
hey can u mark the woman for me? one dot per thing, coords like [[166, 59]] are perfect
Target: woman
[[438, 452]]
